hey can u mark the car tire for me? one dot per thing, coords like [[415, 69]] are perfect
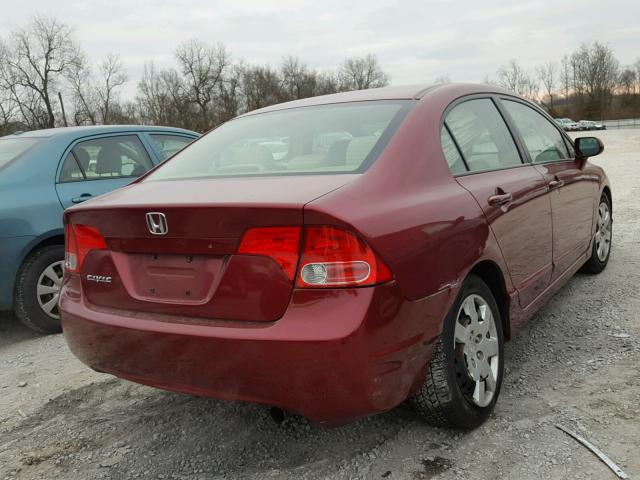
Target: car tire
[[37, 287], [448, 395], [601, 248]]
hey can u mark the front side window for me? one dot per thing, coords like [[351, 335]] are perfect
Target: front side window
[[482, 135], [168, 145], [543, 141], [338, 138], [111, 157], [11, 148]]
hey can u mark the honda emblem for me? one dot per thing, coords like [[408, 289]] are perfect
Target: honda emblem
[[157, 223]]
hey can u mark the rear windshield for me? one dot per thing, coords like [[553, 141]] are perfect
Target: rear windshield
[[10, 148], [308, 140]]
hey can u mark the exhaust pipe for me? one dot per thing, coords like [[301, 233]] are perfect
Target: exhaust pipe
[[277, 414]]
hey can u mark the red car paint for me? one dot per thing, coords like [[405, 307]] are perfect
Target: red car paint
[[243, 332]]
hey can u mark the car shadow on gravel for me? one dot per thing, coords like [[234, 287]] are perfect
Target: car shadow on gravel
[[12, 331], [135, 429]]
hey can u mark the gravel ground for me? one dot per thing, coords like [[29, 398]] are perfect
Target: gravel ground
[[576, 364]]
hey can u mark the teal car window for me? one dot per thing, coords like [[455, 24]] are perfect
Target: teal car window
[[168, 145], [112, 157]]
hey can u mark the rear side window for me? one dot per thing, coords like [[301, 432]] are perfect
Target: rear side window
[[543, 141], [168, 145], [107, 157], [11, 148], [482, 135], [71, 171], [454, 160], [324, 139]]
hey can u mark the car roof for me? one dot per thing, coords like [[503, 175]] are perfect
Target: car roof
[[405, 92], [73, 132]]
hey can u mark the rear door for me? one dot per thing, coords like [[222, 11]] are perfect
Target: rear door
[[512, 193], [572, 191], [98, 165]]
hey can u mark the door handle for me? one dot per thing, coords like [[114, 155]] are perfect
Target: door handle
[[500, 199], [555, 184], [81, 198]]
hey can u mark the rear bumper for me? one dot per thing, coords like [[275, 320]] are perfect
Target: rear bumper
[[335, 356]]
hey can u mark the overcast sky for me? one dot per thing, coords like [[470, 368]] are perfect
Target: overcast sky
[[415, 41]]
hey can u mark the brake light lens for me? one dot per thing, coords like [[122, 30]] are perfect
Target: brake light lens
[[279, 243], [333, 257], [79, 241]]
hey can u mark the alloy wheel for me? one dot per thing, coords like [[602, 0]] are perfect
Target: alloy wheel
[[476, 350], [603, 232], [48, 288]]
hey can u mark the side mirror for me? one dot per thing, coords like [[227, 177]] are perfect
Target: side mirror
[[588, 147]]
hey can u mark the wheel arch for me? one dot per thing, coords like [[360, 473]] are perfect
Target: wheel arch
[[607, 191], [492, 275], [55, 237]]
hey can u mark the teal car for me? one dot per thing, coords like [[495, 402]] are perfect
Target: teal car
[[43, 172]]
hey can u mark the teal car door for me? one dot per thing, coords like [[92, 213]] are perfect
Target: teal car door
[[98, 165]]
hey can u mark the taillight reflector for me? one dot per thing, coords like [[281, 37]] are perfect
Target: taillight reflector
[[333, 257], [79, 241]]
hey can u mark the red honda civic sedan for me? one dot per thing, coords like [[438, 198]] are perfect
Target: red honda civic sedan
[[338, 255]]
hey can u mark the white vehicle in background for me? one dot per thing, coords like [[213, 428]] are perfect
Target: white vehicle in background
[[569, 125], [591, 125]]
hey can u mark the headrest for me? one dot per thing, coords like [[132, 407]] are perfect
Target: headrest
[[109, 160]]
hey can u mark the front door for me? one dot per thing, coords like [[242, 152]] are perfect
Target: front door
[[572, 191]]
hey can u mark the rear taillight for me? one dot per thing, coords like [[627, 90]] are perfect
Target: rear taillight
[[333, 257], [80, 240], [280, 243]]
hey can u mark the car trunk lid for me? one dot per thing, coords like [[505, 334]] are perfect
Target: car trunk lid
[[192, 269]]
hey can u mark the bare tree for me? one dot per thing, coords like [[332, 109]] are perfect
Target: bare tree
[[327, 82], [112, 77], [565, 76], [548, 76], [83, 93], [162, 99], [628, 81], [45, 79], [362, 73], [261, 87], [297, 80], [229, 102], [37, 56], [95, 99], [8, 110], [596, 73], [203, 67], [515, 78], [8, 107]]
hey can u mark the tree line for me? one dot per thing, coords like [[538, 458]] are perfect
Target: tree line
[[590, 83], [46, 80]]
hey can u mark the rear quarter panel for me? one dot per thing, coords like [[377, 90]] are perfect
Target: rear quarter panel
[[30, 211]]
